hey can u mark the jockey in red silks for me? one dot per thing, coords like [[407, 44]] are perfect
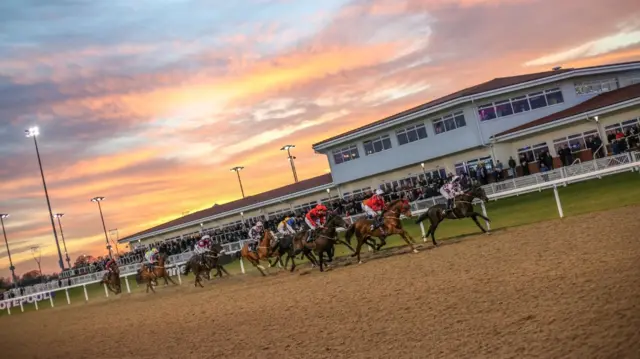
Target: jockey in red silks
[[111, 266], [450, 190], [315, 218], [374, 206]]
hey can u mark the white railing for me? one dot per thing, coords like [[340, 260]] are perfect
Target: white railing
[[513, 187]]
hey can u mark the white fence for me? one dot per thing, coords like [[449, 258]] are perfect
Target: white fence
[[512, 187]]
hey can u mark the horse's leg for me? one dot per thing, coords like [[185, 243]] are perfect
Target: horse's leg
[[359, 248], [256, 264], [407, 238], [223, 270], [432, 229], [346, 244], [293, 261], [321, 264], [474, 216]]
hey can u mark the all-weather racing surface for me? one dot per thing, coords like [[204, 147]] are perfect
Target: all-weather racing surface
[[558, 289]]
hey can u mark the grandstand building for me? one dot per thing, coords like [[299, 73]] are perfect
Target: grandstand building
[[504, 118]]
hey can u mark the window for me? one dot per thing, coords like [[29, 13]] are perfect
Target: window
[[411, 133], [433, 174], [377, 144], [576, 143], [345, 154], [520, 104], [449, 122], [533, 152], [537, 100], [596, 86], [346, 195], [472, 165], [622, 126]]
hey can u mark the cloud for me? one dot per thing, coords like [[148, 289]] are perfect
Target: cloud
[[601, 46]]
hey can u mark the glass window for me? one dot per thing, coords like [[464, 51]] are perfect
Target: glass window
[[487, 112], [520, 104], [596, 86], [537, 100], [449, 122], [411, 134], [533, 152], [345, 154], [377, 144], [503, 108], [554, 96], [460, 169]]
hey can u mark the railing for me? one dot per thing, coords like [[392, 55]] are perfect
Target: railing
[[513, 187]]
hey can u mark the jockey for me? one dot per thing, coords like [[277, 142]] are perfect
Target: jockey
[[285, 226], [450, 190], [152, 257], [256, 233], [203, 246], [374, 207], [111, 266], [315, 219]]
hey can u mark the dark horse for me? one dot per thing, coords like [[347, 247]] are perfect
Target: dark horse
[[112, 280], [291, 245], [391, 225], [325, 239], [463, 208], [202, 264], [151, 276]]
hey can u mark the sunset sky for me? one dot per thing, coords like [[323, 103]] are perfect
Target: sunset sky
[[150, 102]]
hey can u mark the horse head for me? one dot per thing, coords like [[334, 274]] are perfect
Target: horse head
[[478, 192], [336, 221], [401, 206]]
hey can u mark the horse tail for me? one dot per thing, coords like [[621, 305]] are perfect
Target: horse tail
[[349, 233]]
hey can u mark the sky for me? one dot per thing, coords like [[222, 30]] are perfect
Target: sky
[[149, 103]]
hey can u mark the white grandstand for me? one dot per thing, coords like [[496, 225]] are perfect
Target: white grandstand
[[520, 117]]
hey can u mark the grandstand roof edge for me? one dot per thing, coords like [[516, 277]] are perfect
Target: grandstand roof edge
[[468, 94]]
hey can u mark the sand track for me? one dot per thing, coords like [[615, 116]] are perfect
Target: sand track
[[558, 289]]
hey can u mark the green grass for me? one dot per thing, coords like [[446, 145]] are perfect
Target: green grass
[[585, 197]]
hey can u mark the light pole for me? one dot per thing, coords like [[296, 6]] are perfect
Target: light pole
[[34, 132], [11, 267], [106, 237], [291, 158], [111, 232], [237, 171], [423, 172], [64, 243]]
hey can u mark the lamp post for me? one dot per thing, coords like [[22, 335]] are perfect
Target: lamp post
[[6, 243], [111, 232], [291, 158], [237, 171], [423, 172], [64, 243], [34, 132], [106, 237]]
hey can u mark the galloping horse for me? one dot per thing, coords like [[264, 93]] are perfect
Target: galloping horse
[[463, 209], [391, 225], [112, 280], [264, 251], [325, 239], [203, 264], [151, 276]]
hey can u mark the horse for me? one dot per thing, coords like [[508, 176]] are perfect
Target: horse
[[218, 253], [264, 251], [203, 264], [326, 238], [463, 208], [112, 280], [151, 276], [391, 225]]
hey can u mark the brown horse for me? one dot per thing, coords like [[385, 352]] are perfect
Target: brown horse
[[202, 264], [263, 252], [391, 225], [112, 280], [463, 208], [151, 276], [326, 238]]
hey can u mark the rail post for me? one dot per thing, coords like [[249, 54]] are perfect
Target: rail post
[[242, 266], [51, 300], [106, 291], [424, 234], [21, 306], [179, 276], [86, 296], [484, 212], [557, 196], [8, 308], [35, 301], [126, 281], [66, 291]]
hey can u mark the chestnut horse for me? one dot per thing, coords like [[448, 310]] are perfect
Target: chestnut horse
[[264, 251], [391, 225], [151, 276], [112, 280]]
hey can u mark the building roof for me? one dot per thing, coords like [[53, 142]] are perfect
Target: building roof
[[239, 204], [602, 100], [495, 84]]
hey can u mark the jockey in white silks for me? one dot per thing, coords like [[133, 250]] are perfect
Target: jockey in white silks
[[450, 190], [203, 246], [256, 233], [152, 257]]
